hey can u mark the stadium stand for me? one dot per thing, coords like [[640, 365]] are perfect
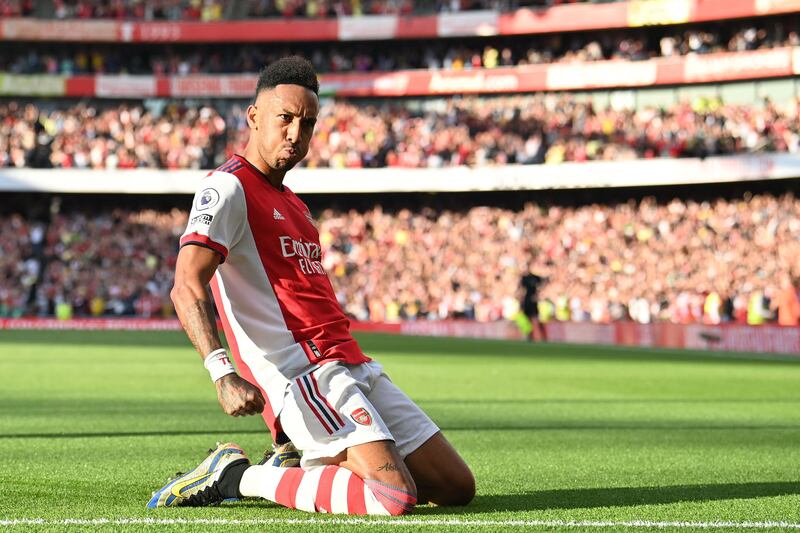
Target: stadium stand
[[471, 131], [211, 10], [633, 44], [680, 261]]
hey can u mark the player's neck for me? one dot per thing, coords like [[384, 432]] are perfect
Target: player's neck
[[274, 177]]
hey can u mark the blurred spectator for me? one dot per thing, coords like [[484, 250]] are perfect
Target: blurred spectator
[[16, 8], [523, 129], [205, 10], [640, 261], [123, 136], [117, 263], [467, 53], [196, 9], [788, 303]]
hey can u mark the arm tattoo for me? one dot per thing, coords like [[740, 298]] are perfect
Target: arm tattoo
[[201, 327], [388, 467]]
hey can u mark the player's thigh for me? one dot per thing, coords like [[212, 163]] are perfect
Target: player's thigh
[[409, 424], [328, 416], [326, 412], [441, 475]]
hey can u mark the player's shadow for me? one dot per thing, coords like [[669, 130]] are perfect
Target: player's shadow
[[618, 497]]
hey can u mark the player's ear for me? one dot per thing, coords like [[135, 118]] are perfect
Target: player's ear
[[252, 116]]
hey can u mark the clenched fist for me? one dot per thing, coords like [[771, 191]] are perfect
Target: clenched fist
[[238, 397]]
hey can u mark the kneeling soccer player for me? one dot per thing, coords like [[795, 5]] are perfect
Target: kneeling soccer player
[[367, 448]]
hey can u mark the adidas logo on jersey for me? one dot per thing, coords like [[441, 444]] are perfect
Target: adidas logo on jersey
[[277, 215]]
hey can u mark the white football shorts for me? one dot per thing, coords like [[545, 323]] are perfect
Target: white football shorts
[[336, 406]]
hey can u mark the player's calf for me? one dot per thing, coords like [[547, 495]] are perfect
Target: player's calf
[[324, 489], [368, 479]]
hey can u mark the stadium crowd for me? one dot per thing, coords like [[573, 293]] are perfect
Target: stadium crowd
[[632, 44], [684, 261], [115, 263], [212, 10], [529, 129], [84, 136]]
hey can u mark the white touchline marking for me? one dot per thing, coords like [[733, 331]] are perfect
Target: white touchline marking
[[397, 522]]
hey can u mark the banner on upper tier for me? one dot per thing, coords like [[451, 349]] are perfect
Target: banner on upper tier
[[652, 12], [717, 67], [559, 18], [32, 85]]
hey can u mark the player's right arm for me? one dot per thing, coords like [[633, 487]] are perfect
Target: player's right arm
[[193, 272], [215, 226]]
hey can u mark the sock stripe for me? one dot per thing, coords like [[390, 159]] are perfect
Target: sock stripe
[[286, 493], [391, 490], [395, 500], [393, 505], [325, 488], [306, 499], [355, 496], [339, 491]]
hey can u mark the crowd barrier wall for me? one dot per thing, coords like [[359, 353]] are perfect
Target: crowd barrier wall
[[592, 174], [767, 339]]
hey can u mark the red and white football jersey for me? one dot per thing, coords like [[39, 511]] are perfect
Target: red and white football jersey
[[277, 305]]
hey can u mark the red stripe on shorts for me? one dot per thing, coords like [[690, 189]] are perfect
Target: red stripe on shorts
[[311, 405], [324, 399]]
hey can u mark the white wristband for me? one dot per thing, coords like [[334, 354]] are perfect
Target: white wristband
[[218, 364]]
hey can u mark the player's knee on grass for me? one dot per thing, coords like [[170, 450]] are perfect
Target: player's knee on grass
[[462, 489], [456, 487], [384, 472], [441, 475]]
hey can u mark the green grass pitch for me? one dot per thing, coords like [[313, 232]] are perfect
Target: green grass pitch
[[588, 438]]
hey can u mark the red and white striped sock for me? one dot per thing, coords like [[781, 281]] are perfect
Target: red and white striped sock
[[325, 489]]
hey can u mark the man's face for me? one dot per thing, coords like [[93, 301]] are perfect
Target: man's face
[[282, 122]]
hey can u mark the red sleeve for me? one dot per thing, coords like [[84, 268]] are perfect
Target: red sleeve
[[203, 240]]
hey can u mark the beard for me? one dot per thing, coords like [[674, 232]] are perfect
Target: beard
[[284, 164], [284, 161]]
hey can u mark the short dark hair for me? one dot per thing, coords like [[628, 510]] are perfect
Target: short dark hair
[[291, 70]]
